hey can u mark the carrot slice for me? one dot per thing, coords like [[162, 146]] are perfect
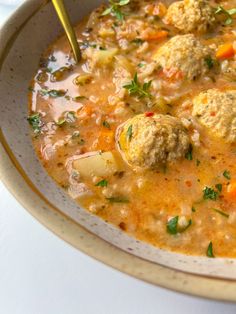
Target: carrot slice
[[225, 51], [154, 35]]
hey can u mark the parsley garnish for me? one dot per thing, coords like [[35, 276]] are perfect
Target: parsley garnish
[[198, 162], [172, 225], [115, 9], [219, 187], [53, 92], [106, 124], [209, 251], [135, 88], [117, 199], [129, 132], [102, 183], [193, 209], [210, 194], [137, 41], [226, 174], [227, 13], [189, 154], [209, 62], [36, 122], [221, 212], [69, 117]]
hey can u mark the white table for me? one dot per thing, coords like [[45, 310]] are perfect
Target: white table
[[41, 274]]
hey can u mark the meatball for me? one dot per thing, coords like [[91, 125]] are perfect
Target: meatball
[[183, 54], [191, 15], [216, 110], [152, 141]]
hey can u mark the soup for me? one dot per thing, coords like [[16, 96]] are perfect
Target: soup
[[142, 132]]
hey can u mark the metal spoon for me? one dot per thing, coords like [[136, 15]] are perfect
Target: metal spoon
[[66, 23]]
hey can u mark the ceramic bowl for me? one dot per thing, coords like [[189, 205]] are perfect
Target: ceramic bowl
[[22, 40]]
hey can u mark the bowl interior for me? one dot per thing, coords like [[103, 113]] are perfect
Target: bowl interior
[[23, 39]]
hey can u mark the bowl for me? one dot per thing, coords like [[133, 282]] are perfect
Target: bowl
[[22, 40]]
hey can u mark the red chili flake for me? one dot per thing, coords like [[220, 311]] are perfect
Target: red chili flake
[[149, 114], [212, 113], [188, 183]]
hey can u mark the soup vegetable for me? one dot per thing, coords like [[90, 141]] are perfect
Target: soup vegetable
[[142, 132]]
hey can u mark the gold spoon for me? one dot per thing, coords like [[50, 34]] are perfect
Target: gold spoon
[[66, 23]]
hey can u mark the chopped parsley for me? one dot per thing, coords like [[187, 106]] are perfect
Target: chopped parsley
[[193, 209], [36, 122], [228, 14], [69, 117], [135, 88], [102, 183], [221, 212], [172, 225], [53, 92], [209, 251], [115, 9], [79, 98], [226, 174], [106, 124], [209, 62], [117, 199], [137, 41], [210, 194], [129, 132], [198, 162], [219, 187], [189, 154]]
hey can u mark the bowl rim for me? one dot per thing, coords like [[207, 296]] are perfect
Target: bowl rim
[[20, 186]]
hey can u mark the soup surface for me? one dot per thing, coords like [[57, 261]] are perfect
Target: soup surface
[[142, 132]]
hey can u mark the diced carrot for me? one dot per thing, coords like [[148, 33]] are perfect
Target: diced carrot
[[105, 140], [225, 51], [231, 190], [151, 34], [159, 9]]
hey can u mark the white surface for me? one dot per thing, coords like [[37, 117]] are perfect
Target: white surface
[[40, 274]]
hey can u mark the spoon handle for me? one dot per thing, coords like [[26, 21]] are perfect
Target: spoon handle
[[65, 21]]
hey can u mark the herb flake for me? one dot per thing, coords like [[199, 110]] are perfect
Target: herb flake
[[221, 212], [102, 183], [115, 9], [209, 251], [210, 194], [227, 175], [135, 88], [117, 199]]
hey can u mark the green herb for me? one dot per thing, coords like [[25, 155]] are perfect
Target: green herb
[[31, 89], [209, 251], [115, 9], [189, 154], [53, 92], [209, 62], [221, 212], [172, 225], [106, 124], [141, 65], [129, 132], [210, 194], [219, 187], [228, 14], [117, 199], [102, 183], [79, 98], [193, 209], [137, 41], [226, 174], [198, 162], [36, 122], [135, 88], [69, 117]]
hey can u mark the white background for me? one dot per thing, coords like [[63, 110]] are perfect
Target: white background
[[40, 274]]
